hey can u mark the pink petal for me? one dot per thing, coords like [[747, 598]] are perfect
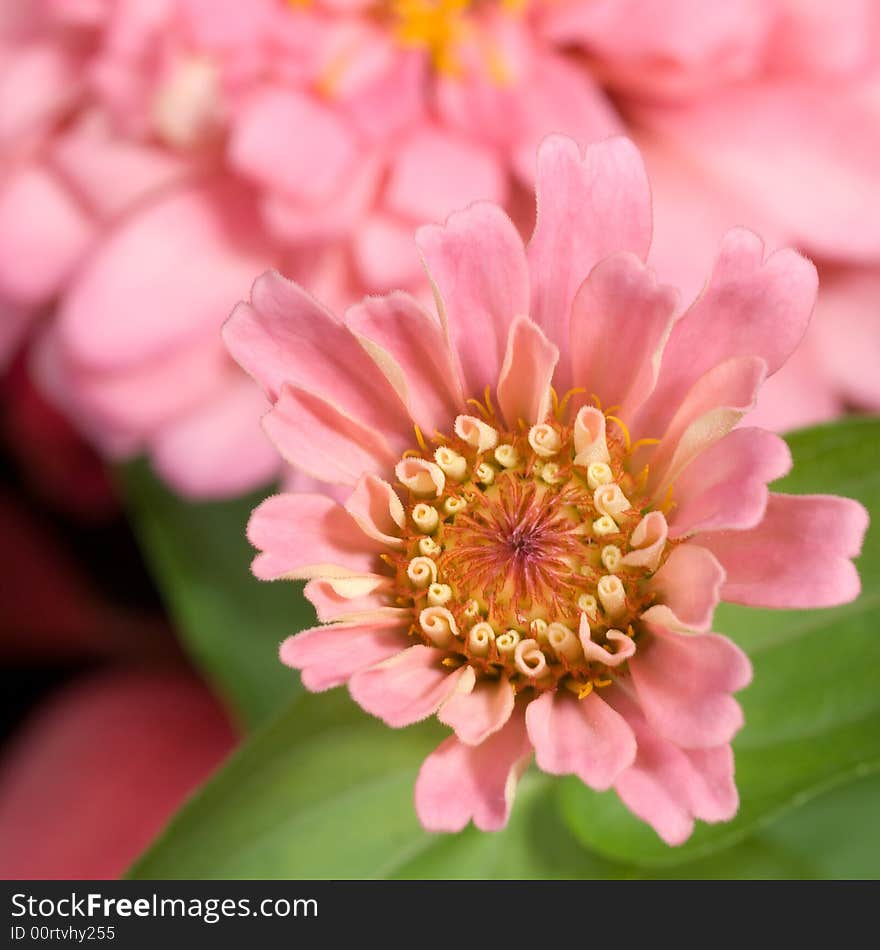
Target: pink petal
[[525, 377], [668, 786], [285, 336], [800, 394], [173, 269], [340, 599], [846, 333], [435, 171], [556, 94], [411, 350], [135, 402], [37, 84], [726, 486], [481, 713], [775, 140], [583, 737], [619, 319], [304, 536], [459, 783], [218, 450], [385, 254], [683, 683], [120, 750], [408, 687], [293, 144], [689, 585], [109, 172], [328, 656], [798, 556], [589, 207], [479, 267], [813, 37], [318, 438], [713, 406], [681, 45], [374, 505], [753, 307], [43, 233]]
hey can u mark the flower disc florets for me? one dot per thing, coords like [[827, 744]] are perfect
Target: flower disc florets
[[526, 553]]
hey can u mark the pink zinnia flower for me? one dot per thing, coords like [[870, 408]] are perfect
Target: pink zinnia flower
[[548, 496], [156, 153]]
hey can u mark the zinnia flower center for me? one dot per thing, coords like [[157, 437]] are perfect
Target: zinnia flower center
[[527, 552]]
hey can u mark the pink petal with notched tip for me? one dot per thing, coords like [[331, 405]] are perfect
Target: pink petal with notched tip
[[408, 687], [479, 714], [319, 439], [459, 783], [305, 536], [619, 319], [217, 450], [285, 336], [478, 265], [590, 206], [750, 307], [328, 656], [410, 348], [668, 786], [798, 556], [583, 737], [683, 682], [524, 382], [43, 233], [726, 486], [688, 586]]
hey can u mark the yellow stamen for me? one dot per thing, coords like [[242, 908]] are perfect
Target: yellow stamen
[[488, 397], [640, 442], [420, 438], [585, 690], [478, 405], [623, 429], [575, 391]]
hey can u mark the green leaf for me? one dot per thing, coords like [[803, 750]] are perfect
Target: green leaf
[[813, 709], [838, 833], [230, 623], [327, 792]]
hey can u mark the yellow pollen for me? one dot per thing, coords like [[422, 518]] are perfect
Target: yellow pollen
[[436, 26]]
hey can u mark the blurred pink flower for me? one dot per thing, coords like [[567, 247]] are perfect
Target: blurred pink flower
[[156, 153], [95, 773], [539, 572]]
